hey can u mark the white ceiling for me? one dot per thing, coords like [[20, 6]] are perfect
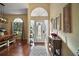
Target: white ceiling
[[15, 8]]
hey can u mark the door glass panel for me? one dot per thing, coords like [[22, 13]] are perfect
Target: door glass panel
[[39, 30]]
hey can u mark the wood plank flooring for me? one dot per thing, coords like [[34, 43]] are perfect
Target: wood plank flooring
[[16, 49]]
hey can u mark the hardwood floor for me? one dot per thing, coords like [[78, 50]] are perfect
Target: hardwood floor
[[16, 49]]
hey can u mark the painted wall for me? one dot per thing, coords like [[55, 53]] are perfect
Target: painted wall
[[10, 19], [70, 39]]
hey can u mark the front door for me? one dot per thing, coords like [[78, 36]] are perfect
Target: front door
[[39, 30]]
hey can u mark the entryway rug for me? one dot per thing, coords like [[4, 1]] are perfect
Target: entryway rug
[[38, 51]]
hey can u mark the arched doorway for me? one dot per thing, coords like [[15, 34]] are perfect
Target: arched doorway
[[39, 25], [17, 28]]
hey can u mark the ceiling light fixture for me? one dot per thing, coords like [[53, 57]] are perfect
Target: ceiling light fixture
[[2, 18]]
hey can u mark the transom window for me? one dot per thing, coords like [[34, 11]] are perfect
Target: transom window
[[39, 12]]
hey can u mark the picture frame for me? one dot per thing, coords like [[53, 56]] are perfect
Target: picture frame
[[59, 22], [54, 23], [67, 18]]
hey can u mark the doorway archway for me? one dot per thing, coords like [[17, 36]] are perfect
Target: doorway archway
[[39, 22], [17, 28]]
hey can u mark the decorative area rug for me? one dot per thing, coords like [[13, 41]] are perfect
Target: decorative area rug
[[38, 51]]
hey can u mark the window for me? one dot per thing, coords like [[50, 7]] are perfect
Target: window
[[39, 12]]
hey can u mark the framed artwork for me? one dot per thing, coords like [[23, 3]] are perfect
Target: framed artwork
[[67, 18], [54, 23], [59, 22]]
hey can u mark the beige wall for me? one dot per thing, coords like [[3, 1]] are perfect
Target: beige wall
[[70, 39], [10, 19]]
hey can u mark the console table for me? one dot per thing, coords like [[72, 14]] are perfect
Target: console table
[[54, 46]]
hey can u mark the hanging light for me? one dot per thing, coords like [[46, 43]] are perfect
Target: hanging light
[[2, 19]]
